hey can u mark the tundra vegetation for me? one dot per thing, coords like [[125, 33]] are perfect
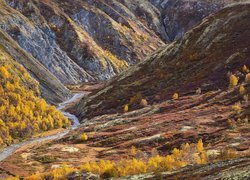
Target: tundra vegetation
[[187, 154]]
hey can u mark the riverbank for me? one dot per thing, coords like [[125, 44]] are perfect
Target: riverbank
[[50, 135]]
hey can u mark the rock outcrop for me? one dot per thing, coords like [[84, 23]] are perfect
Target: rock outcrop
[[83, 41], [51, 88], [79, 41], [177, 17]]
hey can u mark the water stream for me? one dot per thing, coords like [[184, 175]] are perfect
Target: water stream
[[8, 151]]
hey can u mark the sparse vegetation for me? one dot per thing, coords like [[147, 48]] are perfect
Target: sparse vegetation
[[178, 158], [133, 151], [233, 81], [135, 99], [84, 137], [224, 154], [58, 173], [45, 159], [248, 78], [175, 96], [237, 107], [187, 154], [126, 108]]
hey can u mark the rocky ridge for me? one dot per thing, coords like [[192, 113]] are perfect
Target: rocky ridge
[[84, 41]]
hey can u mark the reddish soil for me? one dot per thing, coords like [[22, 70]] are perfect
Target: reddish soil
[[154, 129]]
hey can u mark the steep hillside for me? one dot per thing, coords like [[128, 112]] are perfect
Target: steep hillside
[[83, 41], [177, 17], [22, 112], [51, 88], [203, 58], [79, 41], [170, 19]]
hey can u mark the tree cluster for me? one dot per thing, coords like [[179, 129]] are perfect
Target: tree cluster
[[22, 112]]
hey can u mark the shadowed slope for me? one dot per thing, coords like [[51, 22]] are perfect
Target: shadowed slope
[[202, 58]]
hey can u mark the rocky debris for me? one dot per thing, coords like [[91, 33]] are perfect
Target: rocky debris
[[70, 149], [79, 175]]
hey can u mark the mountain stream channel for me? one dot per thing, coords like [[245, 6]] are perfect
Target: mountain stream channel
[[8, 151]]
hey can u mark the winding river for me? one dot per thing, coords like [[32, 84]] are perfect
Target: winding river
[[8, 151]]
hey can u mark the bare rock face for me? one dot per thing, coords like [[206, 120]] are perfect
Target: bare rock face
[[79, 41], [170, 19], [83, 41], [51, 88], [35, 37]]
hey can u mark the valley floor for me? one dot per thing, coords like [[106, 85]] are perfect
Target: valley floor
[[155, 129]]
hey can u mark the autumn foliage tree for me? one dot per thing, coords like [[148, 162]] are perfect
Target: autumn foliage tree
[[245, 69], [242, 90], [187, 154], [84, 137], [126, 108], [233, 81], [247, 78], [22, 112], [175, 96]]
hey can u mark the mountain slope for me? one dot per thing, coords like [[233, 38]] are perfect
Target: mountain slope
[[201, 59], [78, 41], [83, 41], [22, 112], [177, 17], [51, 89]]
